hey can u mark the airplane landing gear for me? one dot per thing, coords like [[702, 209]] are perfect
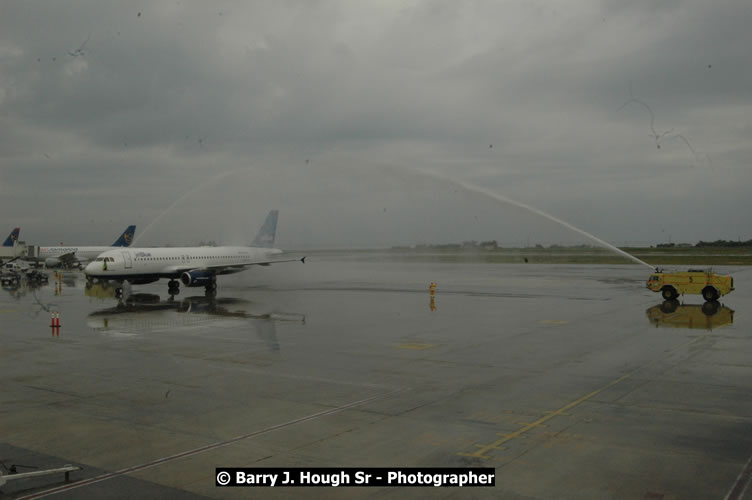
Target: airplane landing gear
[[173, 287], [211, 287]]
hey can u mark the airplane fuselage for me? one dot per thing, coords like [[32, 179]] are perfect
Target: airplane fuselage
[[54, 256], [143, 265], [81, 253]]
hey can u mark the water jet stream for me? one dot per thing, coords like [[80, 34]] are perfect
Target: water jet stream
[[181, 198], [479, 190]]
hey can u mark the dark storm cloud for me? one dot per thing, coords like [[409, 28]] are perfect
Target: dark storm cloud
[[301, 96]]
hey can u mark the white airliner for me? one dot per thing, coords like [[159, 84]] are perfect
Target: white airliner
[[65, 256], [194, 266]]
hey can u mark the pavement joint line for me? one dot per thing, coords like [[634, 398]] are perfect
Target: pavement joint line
[[292, 376], [202, 449], [739, 488], [481, 453]]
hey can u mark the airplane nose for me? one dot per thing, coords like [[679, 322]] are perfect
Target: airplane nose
[[89, 269]]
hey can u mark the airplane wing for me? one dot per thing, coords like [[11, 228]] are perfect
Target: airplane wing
[[231, 268], [221, 267], [67, 258]]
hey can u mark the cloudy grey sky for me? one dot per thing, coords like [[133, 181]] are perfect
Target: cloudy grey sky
[[338, 112]]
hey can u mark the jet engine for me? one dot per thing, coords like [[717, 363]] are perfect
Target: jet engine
[[52, 262], [196, 278]]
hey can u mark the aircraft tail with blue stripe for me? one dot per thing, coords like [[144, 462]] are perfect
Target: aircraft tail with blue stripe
[[12, 237], [265, 236], [126, 238]]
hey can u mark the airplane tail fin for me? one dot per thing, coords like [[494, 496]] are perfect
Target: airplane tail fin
[[126, 238], [265, 236], [12, 237]]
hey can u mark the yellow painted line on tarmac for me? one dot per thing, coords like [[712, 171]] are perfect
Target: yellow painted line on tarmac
[[8, 310], [483, 449], [553, 322], [416, 346]]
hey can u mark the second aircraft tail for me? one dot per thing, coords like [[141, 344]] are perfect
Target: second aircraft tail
[[12, 237], [126, 238]]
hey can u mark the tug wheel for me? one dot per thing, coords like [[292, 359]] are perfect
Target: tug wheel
[[669, 293], [709, 293]]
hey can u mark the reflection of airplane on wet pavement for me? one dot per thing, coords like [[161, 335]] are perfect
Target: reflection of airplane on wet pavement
[[146, 313], [194, 266], [220, 307], [69, 257], [100, 289], [707, 316]]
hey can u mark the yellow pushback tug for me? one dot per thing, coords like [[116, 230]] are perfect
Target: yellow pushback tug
[[695, 281]]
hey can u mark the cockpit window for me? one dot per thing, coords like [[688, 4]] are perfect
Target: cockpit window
[[99, 259]]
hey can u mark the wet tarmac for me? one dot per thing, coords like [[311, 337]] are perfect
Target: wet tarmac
[[572, 381]]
